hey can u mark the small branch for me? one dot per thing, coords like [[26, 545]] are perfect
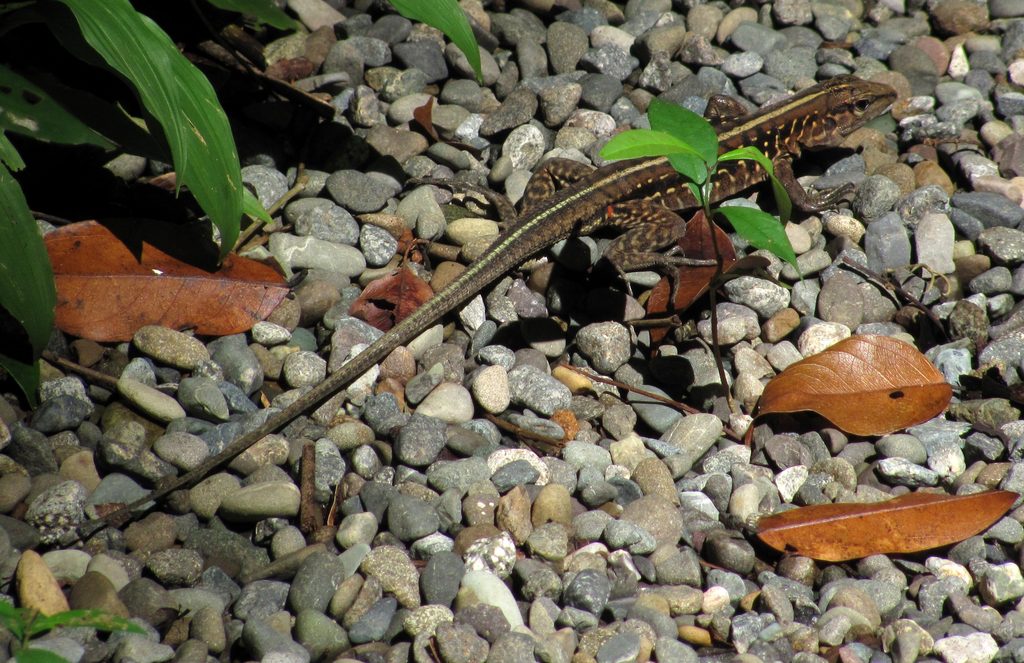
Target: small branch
[[257, 224], [897, 291], [92, 375], [311, 518], [716, 348], [664, 400], [554, 446]]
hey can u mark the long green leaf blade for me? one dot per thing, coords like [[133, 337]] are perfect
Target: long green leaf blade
[[27, 295], [177, 95], [446, 16], [760, 229]]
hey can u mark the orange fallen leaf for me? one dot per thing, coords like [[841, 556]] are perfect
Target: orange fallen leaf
[[865, 385], [115, 277], [905, 524], [387, 301]]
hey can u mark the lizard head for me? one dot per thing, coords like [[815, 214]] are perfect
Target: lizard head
[[852, 102]]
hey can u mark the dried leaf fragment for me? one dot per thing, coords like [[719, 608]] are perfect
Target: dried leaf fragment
[[387, 301], [905, 524], [865, 385]]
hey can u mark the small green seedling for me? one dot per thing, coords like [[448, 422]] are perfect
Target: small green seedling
[[26, 624], [691, 146]]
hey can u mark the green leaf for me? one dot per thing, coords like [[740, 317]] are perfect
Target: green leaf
[[9, 154], [27, 295], [687, 126], [36, 655], [254, 208], [25, 108], [637, 143], [761, 229], [175, 93], [691, 166], [97, 619], [13, 620], [264, 11], [782, 200], [446, 16]]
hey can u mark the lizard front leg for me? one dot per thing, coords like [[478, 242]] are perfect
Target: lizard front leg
[[801, 197]]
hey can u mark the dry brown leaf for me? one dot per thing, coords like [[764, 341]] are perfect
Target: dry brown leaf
[[112, 279], [696, 243], [865, 385], [905, 524], [387, 301]]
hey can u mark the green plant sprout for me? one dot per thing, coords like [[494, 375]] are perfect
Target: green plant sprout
[[25, 624], [691, 146]]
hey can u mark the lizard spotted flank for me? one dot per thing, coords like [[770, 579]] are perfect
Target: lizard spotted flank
[[566, 198]]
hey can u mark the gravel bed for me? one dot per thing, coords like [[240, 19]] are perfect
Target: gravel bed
[[454, 541]]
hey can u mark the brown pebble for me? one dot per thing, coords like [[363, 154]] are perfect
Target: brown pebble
[[87, 352], [154, 532], [467, 536], [81, 467], [654, 478], [552, 505], [286, 314], [695, 635], [315, 297], [930, 172], [37, 588], [900, 173], [445, 273], [780, 325], [970, 266], [957, 17], [513, 514], [399, 365], [94, 591], [992, 474], [936, 50]]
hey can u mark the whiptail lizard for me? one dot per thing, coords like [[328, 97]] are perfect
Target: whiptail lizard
[[566, 198]]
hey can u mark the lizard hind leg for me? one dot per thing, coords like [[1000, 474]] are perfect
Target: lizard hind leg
[[648, 227], [553, 175]]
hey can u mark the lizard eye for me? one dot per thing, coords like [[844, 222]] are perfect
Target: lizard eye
[[861, 105]]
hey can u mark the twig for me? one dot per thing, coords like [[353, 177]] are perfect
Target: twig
[[554, 445], [897, 291], [300, 183], [716, 348], [664, 400], [88, 373], [311, 518]]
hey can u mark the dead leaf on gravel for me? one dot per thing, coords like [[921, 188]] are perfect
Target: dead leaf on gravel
[[905, 524], [865, 385], [115, 277], [387, 301]]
